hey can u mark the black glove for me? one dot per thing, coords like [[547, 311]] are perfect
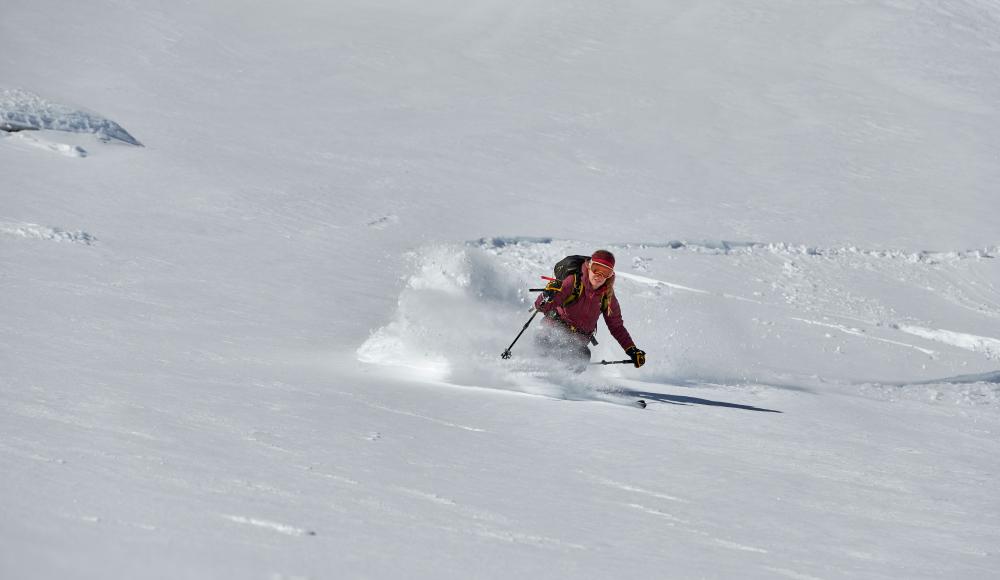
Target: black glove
[[638, 356], [551, 289]]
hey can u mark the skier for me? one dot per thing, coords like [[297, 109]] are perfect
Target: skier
[[572, 306]]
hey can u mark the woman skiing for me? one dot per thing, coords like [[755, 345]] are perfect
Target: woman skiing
[[572, 306]]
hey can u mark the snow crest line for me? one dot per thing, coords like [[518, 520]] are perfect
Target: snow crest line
[[726, 247], [785, 249]]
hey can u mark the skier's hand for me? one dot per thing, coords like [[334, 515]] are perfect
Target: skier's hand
[[548, 293], [551, 289], [638, 356]]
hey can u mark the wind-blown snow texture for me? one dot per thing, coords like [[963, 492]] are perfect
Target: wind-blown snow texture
[[267, 344]]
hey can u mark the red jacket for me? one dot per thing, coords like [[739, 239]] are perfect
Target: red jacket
[[582, 314]]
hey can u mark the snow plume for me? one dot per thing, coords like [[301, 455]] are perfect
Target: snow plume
[[449, 315]]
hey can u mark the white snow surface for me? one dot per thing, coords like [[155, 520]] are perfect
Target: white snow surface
[[267, 344]]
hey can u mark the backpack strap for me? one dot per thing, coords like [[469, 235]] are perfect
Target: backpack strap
[[577, 291]]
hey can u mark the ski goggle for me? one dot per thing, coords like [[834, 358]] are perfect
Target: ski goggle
[[601, 270]]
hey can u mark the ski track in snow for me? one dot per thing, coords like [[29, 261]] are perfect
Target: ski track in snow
[[981, 344], [864, 335], [654, 282]]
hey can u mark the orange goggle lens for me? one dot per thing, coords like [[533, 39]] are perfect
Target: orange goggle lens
[[601, 270]]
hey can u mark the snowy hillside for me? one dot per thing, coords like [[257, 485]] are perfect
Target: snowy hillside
[[266, 344]]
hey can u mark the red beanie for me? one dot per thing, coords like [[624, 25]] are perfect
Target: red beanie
[[604, 257]]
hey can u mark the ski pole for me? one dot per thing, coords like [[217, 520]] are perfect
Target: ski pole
[[506, 354], [627, 361]]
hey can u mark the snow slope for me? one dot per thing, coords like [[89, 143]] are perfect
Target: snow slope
[[266, 345]]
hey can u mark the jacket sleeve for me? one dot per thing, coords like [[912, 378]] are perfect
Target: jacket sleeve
[[616, 325], [564, 291]]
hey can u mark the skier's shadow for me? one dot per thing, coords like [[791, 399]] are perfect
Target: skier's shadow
[[682, 400]]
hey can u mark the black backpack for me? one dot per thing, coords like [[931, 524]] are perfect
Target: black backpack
[[569, 265], [573, 265]]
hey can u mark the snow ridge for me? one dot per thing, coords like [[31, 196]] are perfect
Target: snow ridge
[[22, 110], [35, 231]]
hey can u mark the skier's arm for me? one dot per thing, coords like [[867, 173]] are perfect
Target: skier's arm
[[613, 318], [557, 298]]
